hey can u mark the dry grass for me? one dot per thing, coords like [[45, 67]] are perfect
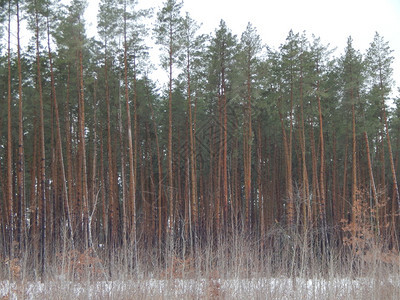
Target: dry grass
[[287, 263], [200, 288], [236, 267]]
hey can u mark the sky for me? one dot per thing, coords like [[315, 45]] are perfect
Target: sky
[[331, 20]]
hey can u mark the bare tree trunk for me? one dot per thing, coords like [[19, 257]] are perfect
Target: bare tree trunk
[[193, 215], [396, 198], [10, 193], [42, 150], [58, 130], [68, 148], [322, 162], [305, 184], [160, 205], [21, 154], [315, 185], [354, 161], [289, 184], [34, 202], [123, 179], [103, 194], [247, 140], [335, 204], [132, 149], [94, 189], [225, 149], [111, 180], [171, 222], [372, 182], [260, 191]]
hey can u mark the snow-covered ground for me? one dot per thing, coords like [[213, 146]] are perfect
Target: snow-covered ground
[[208, 288]]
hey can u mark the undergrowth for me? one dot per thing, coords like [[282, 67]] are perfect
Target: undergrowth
[[355, 261]]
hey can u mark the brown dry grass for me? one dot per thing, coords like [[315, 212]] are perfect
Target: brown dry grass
[[285, 264]]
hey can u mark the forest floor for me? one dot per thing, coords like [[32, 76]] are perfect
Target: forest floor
[[208, 288]]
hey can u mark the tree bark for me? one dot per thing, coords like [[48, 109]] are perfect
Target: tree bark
[[21, 154]]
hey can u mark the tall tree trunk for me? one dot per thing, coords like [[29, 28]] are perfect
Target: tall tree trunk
[[289, 183], [21, 154], [94, 189], [354, 191], [10, 193], [104, 203], [315, 185], [123, 178], [68, 148], [396, 197], [111, 180], [382, 184], [372, 183], [260, 192], [193, 216], [247, 140], [34, 238], [171, 222], [344, 193], [335, 204], [160, 205], [58, 129], [354, 161], [82, 144], [305, 187], [322, 203], [225, 148], [132, 149], [42, 150]]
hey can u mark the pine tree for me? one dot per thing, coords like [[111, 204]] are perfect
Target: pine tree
[[9, 191], [379, 71], [108, 18], [319, 55], [221, 54], [289, 57], [250, 48], [351, 65], [21, 149], [168, 33], [192, 49], [134, 48]]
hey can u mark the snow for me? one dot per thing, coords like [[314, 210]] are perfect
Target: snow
[[236, 288]]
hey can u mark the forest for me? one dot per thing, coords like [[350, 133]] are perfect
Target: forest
[[292, 148]]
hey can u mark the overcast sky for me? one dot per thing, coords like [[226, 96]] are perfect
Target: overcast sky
[[332, 20]]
